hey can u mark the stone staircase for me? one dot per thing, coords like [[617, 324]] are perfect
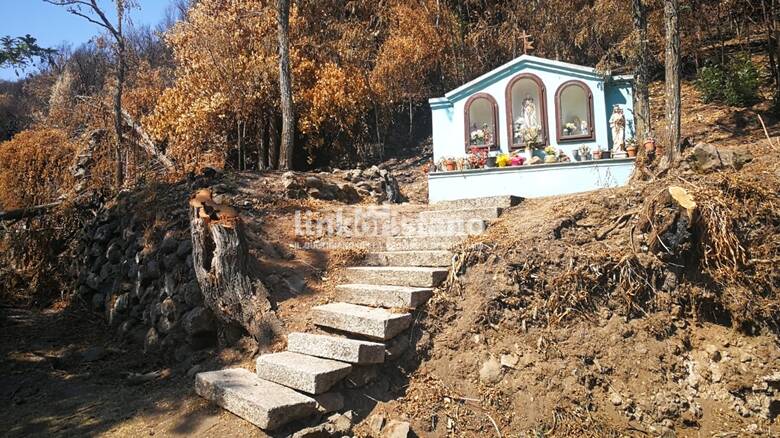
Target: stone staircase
[[295, 384]]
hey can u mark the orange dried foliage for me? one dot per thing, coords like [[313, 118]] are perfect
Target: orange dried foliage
[[35, 167]]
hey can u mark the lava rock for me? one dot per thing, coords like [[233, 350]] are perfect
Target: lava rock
[[169, 245], [98, 301], [114, 252], [198, 320], [151, 341], [185, 248], [192, 294]]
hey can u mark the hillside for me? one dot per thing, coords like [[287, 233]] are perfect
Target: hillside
[[282, 218], [557, 321]]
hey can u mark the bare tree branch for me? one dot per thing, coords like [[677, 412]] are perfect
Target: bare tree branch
[[146, 141], [74, 7]]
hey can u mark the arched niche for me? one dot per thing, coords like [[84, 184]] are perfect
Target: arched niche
[[526, 111], [481, 122], [574, 112]]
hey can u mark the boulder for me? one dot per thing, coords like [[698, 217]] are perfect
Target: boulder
[[185, 248], [171, 261], [198, 321], [151, 341], [337, 425], [735, 158], [114, 252], [98, 301], [93, 281], [169, 245], [396, 429], [192, 295], [313, 182], [104, 232], [165, 324], [150, 271], [122, 303], [349, 193], [94, 354], [371, 172], [706, 157], [168, 307]]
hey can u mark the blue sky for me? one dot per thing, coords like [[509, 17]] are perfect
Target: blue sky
[[53, 25]]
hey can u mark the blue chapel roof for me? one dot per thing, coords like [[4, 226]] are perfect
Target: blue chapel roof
[[514, 66]]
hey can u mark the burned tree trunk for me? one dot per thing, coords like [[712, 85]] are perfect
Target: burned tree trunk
[[286, 148], [642, 94], [671, 9], [221, 263]]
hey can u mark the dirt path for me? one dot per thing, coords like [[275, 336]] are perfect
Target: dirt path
[[62, 374]]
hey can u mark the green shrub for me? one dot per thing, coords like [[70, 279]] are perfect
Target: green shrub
[[734, 83]]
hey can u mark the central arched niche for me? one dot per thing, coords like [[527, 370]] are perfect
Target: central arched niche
[[526, 111]]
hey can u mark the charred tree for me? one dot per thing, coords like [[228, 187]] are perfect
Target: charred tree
[[672, 89], [273, 143], [221, 262], [285, 86], [642, 93]]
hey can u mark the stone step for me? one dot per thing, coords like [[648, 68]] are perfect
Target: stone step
[[420, 243], [383, 295], [366, 321], [309, 374], [265, 404], [343, 349], [409, 258], [484, 213], [491, 201], [397, 275], [436, 227]]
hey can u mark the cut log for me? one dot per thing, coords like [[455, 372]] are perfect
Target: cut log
[[684, 200], [221, 261], [146, 141]]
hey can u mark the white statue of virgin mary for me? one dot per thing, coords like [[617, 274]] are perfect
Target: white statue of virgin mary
[[530, 114]]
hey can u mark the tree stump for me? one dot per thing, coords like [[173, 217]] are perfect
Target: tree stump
[[221, 262]]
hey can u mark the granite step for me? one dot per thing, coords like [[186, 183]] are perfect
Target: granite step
[[484, 213], [342, 349], [437, 227], [265, 404], [370, 322], [409, 258], [383, 295], [490, 201], [309, 374], [420, 243], [397, 275]]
